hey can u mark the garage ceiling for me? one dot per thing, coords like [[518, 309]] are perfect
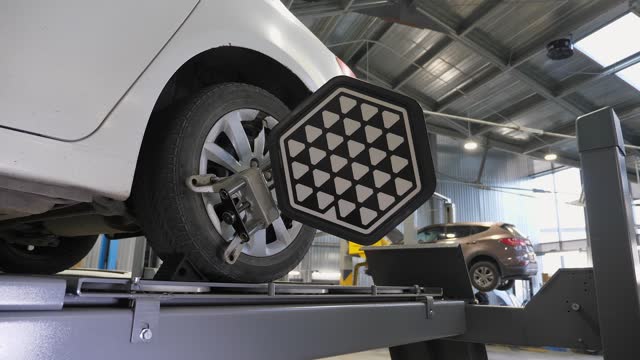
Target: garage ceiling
[[484, 59]]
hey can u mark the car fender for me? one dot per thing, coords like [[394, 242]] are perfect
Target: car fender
[[473, 255], [104, 162]]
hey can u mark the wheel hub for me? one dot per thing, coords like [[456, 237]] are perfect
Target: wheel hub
[[483, 276], [235, 143]]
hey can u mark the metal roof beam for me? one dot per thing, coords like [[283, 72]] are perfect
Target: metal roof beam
[[570, 129], [362, 50], [607, 12], [610, 11], [475, 81], [460, 132], [483, 12], [311, 9], [424, 60], [477, 17], [502, 146], [511, 111], [499, 61]]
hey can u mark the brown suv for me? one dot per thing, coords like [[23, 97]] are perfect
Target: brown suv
[[496, 253]]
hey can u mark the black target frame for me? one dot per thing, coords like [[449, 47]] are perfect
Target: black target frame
[[386, 101]]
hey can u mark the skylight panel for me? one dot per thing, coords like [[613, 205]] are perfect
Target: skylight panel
[[631, 75], [613, 42]]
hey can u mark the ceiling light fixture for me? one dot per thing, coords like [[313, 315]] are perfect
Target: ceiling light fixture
[[470, 145], [551, 156]]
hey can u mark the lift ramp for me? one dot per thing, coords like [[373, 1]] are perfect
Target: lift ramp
[[100, 318]]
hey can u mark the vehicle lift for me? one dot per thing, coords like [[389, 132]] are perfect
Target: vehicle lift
[[415, 310]]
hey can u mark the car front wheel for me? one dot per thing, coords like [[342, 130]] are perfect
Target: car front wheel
[[221, 131]]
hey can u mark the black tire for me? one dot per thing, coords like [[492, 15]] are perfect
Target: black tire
[[44, 260], [506, 285], [490, 282], [173, 217], [482, 298]]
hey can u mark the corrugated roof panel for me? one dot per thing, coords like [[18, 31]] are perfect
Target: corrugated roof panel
[[401, 46], [456, 9], [454, 65], [522, 23], [546, 115], [353, 28], [564, 70], [610, 91], [491, 97]]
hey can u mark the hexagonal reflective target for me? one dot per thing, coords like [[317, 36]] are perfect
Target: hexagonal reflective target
[[353, 160]]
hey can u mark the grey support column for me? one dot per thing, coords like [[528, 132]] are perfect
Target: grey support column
[[611, 231]]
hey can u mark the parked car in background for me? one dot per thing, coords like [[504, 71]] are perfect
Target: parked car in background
[[106, 108], [496, 253]]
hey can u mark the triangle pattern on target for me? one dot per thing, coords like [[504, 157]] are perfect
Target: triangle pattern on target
[[337, 163], [384, 201], [320, 177], [312, 133], [363, 192], [372, 133], [366, 215], [302, 192], [341, 185], [350, 126], [334, 140], [298, 169], [389, 118], [376, 156], [355, 148], [393, 141], [315, 155], [295, 147], [331, 213], [380, 178], [324, 200], [329, 118], [402, 186], [358, 170], [398, 163], [345, 207], [346, 104], [368, 111]]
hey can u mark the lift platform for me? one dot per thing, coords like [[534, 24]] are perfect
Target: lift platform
[[97, 318]]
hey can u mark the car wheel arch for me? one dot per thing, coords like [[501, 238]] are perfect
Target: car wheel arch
[[484, 257], [221, 64]]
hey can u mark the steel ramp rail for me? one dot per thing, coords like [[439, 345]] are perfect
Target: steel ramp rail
[[97, 318]]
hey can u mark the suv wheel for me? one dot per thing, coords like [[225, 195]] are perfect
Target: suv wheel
[[484, 276]]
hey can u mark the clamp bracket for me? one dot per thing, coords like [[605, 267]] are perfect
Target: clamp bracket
[[146, 318]]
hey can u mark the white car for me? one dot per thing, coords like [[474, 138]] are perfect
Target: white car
[[106, 107]]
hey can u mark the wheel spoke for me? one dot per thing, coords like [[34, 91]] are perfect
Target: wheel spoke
[[282, 233], [237, 135], [218, 155], [257, 246], [258, 145]]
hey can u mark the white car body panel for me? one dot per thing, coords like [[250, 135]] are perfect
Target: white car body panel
[[104, 162], [65, 66]]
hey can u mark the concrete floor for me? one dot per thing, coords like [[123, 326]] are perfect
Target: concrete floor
[[494, 353]]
